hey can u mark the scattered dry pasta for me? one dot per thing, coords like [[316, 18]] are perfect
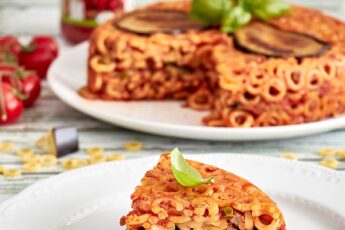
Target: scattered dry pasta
[[341, 154], [330, 163], [327, 152], [48, 160], [133, 146], [289, 155], [12, 172], [6, 146], [95, 151], [70, 164], [31, 158], [115, 157], [25, 152], [97, 159], [31, 167]]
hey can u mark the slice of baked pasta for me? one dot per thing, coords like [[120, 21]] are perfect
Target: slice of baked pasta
[[225, 202]]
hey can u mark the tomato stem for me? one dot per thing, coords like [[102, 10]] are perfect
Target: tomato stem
[[8, 57], [29, 48]]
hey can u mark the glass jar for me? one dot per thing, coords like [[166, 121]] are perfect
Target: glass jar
[[80, 17]]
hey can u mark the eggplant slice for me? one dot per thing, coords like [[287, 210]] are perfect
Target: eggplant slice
[[150, 21], [266, 39]]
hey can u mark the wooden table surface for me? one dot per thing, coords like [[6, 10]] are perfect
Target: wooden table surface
[[50, 112]]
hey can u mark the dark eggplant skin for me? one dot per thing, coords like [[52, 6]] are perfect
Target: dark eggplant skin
[[65, 140], [325, 45], [177, 30]]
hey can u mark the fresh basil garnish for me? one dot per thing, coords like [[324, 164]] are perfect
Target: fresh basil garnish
[[232, 16], [185, 174]]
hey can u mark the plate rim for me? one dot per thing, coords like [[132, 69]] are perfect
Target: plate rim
[[184, 131], [40, 185]]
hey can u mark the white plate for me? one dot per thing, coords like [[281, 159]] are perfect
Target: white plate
[[168, 118], [311, 197]]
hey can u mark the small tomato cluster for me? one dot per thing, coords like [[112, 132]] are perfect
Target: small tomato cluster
[[21, 69]]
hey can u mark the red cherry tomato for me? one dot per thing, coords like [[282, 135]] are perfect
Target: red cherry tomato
[[10, 44], [11, 108], [30, 88], [37, 59], [39, 54], [45, 42], [27, 83]]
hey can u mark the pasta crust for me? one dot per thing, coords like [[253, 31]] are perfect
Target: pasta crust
[[228, 203], [205, 69]]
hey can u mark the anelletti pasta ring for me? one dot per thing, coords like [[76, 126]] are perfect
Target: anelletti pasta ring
[[133, 146], [31, 158], [6, 146], [95, 151], [274, 90], [48, 160], [115, 157], [241, 119], [25, 152], [31, 167], [96, 159], [295, 79], [12, 172], [69, 164]]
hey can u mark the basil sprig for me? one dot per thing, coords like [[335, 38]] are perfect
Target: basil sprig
[[232, 16], [185, 174]]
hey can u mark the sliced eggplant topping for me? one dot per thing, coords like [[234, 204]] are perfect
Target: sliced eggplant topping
[[265, 39], [150, 21]]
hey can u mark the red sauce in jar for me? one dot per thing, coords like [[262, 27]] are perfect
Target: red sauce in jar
[[80, 17]]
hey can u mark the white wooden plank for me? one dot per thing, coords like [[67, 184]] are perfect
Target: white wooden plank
[[156, 144], [26, 3]]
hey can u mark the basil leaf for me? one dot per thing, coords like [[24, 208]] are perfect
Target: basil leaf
[[232, 15], [271, 9], [235, 19], [185, 174], [265, 9], [209, 12]]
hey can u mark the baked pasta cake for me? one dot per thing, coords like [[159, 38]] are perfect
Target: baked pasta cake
[[227, 202], [283, 71]]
